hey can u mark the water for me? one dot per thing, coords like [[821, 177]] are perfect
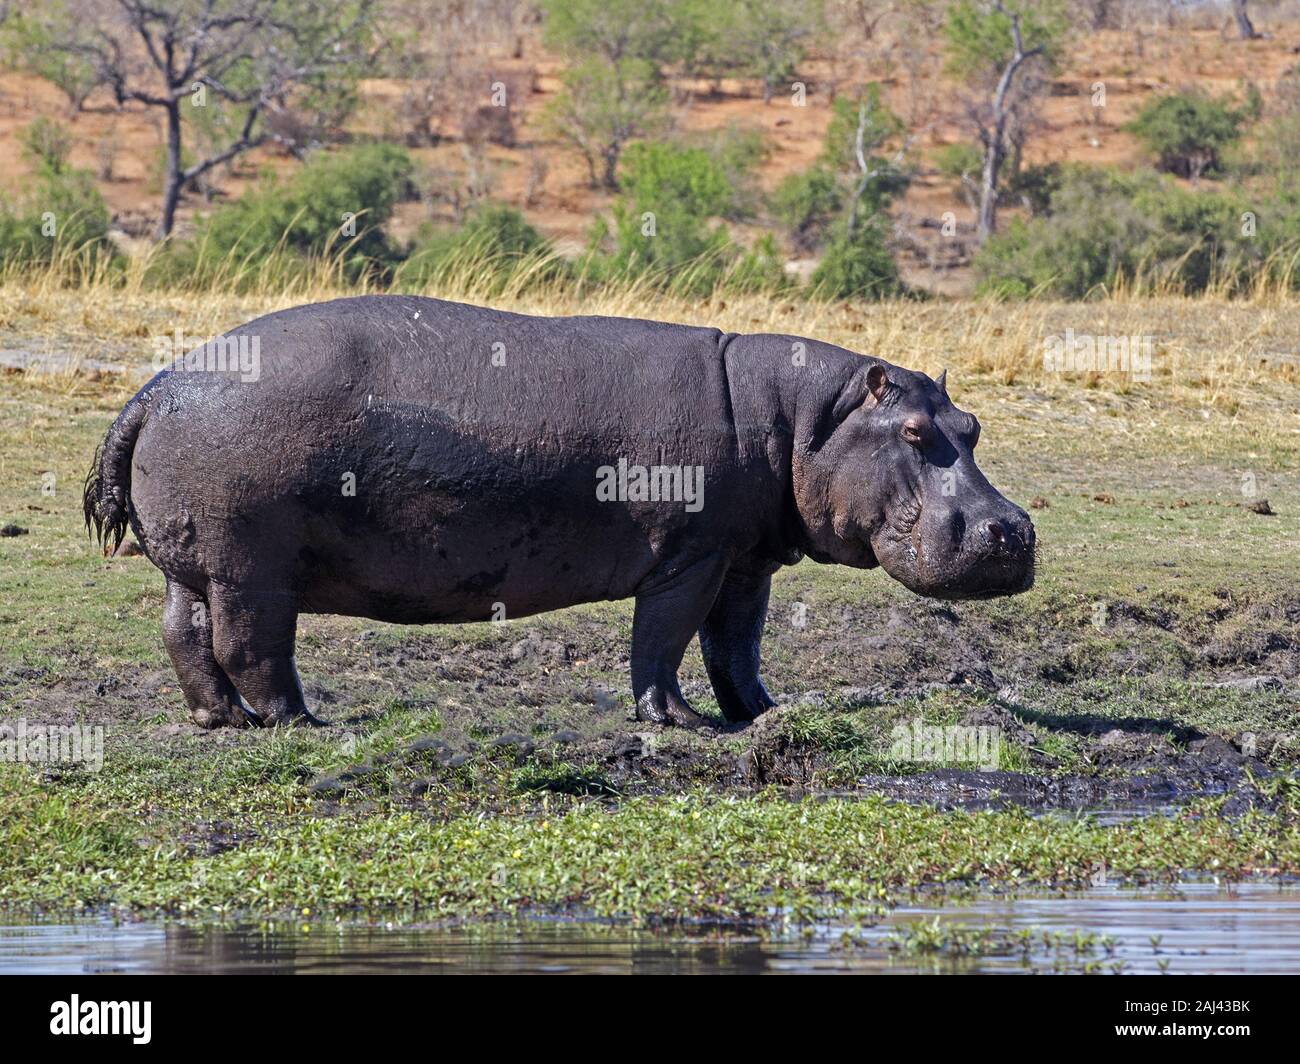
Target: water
[[1201, 928]]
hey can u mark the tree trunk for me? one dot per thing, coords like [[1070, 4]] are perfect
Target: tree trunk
[[989, 187], [590, 159], [1016, 158], [172, 172], [1245, 29], [609, 179], [995, 139]]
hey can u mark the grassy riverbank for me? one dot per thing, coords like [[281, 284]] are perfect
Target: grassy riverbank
[[493, 768]]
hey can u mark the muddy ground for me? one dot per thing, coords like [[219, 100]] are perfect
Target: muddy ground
[[1147, 709]]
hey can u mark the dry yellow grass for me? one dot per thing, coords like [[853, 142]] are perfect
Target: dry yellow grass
[[1225, 374]]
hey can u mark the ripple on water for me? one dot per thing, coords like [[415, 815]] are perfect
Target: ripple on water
[[1197, 927]]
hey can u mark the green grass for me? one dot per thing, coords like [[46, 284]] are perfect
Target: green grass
[[762, 859]]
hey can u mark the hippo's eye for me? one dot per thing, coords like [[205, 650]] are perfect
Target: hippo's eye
[[915, 431]]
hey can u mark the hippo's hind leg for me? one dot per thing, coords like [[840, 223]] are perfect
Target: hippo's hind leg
[[729, 641], [187, 633], [664, 621], [253, 635]]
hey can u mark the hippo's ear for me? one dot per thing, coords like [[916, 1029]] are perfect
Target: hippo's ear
[[878, 382], [941, 382], [873, 384]]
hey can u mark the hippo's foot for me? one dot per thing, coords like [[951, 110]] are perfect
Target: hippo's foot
[[224, 716], [663, 623], [253, 638], [187, 632], [740, 705], [658, 705]]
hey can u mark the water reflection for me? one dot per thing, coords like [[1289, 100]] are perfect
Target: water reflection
[[1199, 928]]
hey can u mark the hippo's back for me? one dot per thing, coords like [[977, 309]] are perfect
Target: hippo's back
[[514, 377]]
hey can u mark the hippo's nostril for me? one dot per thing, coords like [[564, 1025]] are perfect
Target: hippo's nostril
[[997, 532]]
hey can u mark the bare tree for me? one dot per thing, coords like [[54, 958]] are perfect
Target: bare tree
[[993, 125], [917, 26], [869, 134], [878, 36], [250, 55]]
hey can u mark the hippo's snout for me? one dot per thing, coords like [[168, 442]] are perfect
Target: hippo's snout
[[994, 556], [961, 551]]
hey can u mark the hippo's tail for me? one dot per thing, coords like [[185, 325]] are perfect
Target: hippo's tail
[[106, 500]]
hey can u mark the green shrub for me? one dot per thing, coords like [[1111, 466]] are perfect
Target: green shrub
[[880, 124], [1103, 227], [758, 269], [1030, 186], [671, 176], [46, 144], [815, 206], [335, 206], [1034, 186], [1188, 131], [806, 204], [840, 152], [737, 154], [667, 221], [664, 218], [978, 41], [494, 244], [62, 221], [857, 265], [955, 161]]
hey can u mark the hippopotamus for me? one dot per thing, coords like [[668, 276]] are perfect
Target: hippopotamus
[[419, 461]]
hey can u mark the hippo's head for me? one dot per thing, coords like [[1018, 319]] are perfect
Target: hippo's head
[[887, 476]]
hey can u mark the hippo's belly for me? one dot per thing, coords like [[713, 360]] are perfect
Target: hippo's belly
[[484, 561], [455, 529]]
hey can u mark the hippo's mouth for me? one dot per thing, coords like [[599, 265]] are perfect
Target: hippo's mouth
[[996, 576], [960, 577]]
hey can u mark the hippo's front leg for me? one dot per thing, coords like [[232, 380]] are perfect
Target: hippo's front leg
[[666, 617], [729, 640]]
